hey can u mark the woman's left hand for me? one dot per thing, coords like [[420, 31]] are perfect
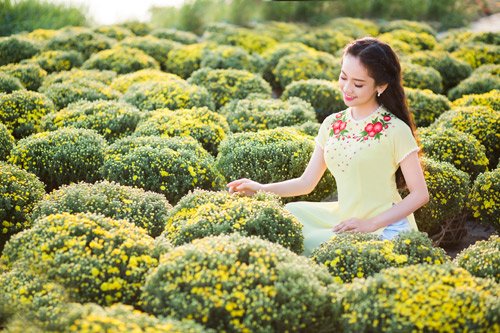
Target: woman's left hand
[[354, 225]]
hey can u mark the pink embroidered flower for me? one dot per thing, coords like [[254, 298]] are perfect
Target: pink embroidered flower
[[375, 127]]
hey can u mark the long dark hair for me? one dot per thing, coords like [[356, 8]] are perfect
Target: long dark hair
[[383, 66]]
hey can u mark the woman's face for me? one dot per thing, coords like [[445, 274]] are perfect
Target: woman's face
[[357, 86]]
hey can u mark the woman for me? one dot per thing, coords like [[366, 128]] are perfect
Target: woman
[[371, 150]]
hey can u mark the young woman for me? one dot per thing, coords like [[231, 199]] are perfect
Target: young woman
[[371, 150]]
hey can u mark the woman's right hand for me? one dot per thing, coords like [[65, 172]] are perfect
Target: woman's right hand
[[244, 186]]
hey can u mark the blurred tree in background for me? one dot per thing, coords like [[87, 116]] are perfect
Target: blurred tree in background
[[28, 15]]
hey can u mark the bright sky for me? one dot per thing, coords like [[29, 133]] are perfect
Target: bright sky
[[113, 11]]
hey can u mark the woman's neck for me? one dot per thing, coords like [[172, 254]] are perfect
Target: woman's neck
[[363, 111]]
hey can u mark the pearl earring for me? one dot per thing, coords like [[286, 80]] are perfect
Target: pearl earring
[[378, 94]]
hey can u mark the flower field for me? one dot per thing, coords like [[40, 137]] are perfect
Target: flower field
[[116, 144]]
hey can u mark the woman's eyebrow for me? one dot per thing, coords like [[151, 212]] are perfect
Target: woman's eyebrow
[[353, 78]]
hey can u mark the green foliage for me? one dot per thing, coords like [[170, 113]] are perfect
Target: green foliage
[[488, 69], [76, 74], [490, 99], [452, 70], [171, 166], [461, 149], [480, 121], [420, 298], [121, 60], [125, 81], [303, 66], [285, 151], [252, 115], [97, 259], [56, 61], [137, 27], [114, 31], [234, 283], [454, 39], [354, 27], [22, 110], [326, 40], [62, 94], [247, 39], [28, 15], [80, 39], [6, 142], [202, 213], [186, 59], [448, 189], [324, 95], [484, 198], [417, 40], [409, 26], [111, 119], [61, 157], [171, 94], [420, 77], [207, 127], [475, 84], [225, 57], [310, 128], [14, 49], [19, 191], [9, 83], [426, 106], [225, 85], [147, 210], [482, 259], [356, 255], [478, 54], [152, 46], [31, 75], [183, 37]]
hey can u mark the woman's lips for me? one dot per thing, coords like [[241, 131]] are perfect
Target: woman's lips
[[348, 98]]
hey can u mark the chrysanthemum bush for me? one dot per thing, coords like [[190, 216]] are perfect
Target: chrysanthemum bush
[[40, 300], [482, 259], [488, 69], [76, 74], [171, 94], [448, 190], [121, 60], [475, 84], [226, 84], [119, 318], [478, 54], [14, 49], [279, 31], [97, 259], [137, 27], [421, 77], [247, 115], [161, 165], [417, 40], [62, 94], [425, 105], [408, 25], [183, 37], [207, 127], [152, 46], [237, 284], [484, 198], [303, 66], [273, 55], [480, 121], [111, 119], [355, 255], [491, 99], [57, 60], [22, 110], [186, 59], [461, 149], [31, 75], [6, 142], [203, 213], [123, 82], [271, 156], [355, 27], [145, 209], [420, 298], [61, 157], [9, 83], [114, 31], [247, 39], [324, 95], [310, 128], [79, 39], [324, 39], [19, 191], [452, 70], [225, 57]]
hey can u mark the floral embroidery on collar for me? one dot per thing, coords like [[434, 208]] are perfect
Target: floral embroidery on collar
[[338, 126], [374, 128]]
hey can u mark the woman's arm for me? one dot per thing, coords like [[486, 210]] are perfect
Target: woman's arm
[[288, 188], [419, 196]]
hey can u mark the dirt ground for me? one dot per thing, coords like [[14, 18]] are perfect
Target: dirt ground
[[475, 232]]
